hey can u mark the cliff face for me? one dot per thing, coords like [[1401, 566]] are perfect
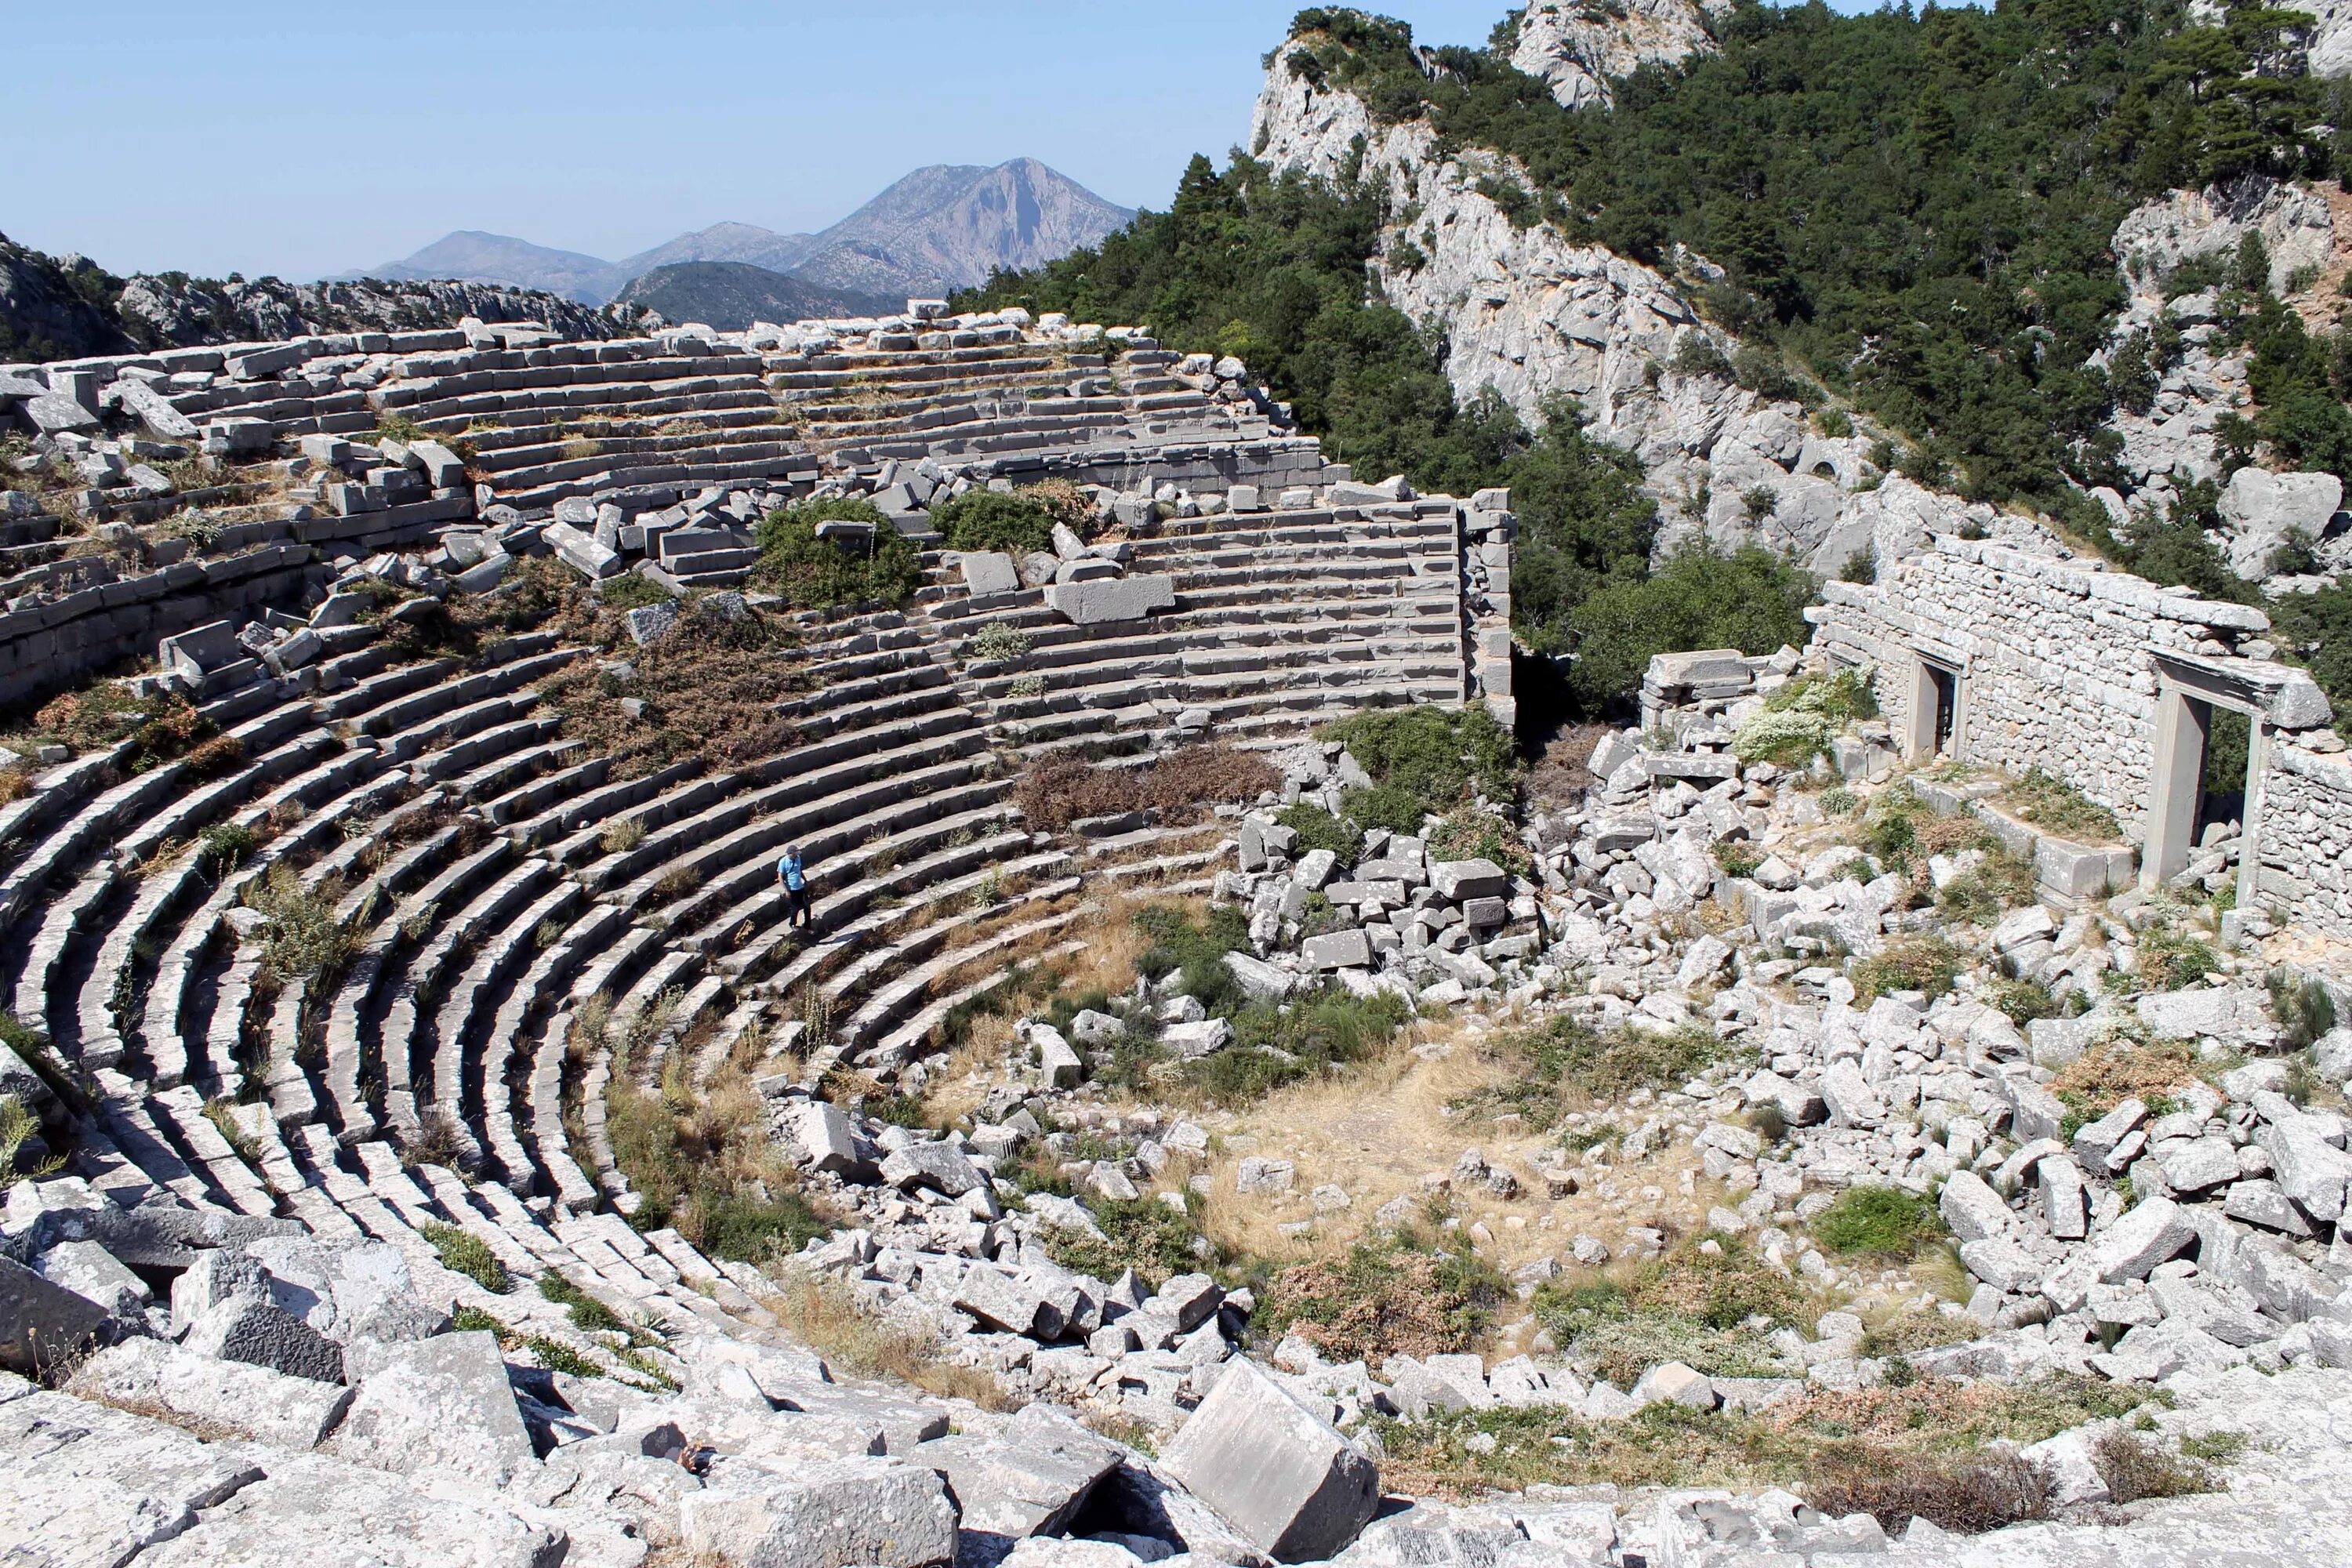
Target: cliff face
[[1528, 313], [1578, 46]]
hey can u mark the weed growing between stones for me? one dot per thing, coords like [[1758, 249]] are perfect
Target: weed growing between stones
[[2304, 1009], [301, 938], [1319, 830], [1926, 963], [2136, 1468], [1432, 759], [1710, 1310], [462, 1252], [1154, 1238], [710, 690], [2047, 801], [1817, 1438], [2171, 958], [1058, 790], [1879, 1222], [1565, 1064], [2107, 1074], [821, 1315], [1966, 1494]]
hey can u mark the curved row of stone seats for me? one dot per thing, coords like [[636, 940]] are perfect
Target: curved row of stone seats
[[870, 403], [1281, 621], [568, 420]]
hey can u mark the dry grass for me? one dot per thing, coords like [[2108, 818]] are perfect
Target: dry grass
[[2106, 1076], [821, 1314], [711, 690], [1059, 790]]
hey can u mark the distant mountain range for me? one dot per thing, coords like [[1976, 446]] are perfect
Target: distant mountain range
[[732, 295], [943, 228]]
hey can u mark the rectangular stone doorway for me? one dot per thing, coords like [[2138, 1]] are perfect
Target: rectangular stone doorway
[[2209, 754], [1934, 716]]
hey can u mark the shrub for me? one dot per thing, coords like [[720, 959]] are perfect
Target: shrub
[[1969, 1494], [1838, 801], [813, 573], [631, 592], [1142, 1234], [1433, 754], [990, 520], [225, 847], [2115, 1070], [1798, 719], [1750, 600], [1737, 857], [2022, 1001], [587, 1314], [300, 938], [1929, 963], [557, 1356], [2170, 958], [1882, 1222], [2136, 1468], [1394, 1297], [17, 1128], [1193, 776], [1197, 950], [750, 1229], [2303, 1008], [463, 1252], [1319, 830], [1391, 806], [998, 640]]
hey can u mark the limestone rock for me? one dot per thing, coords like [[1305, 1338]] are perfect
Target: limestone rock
[[1279, 1473]]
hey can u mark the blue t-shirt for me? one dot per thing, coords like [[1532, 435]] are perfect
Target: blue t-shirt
[[790, 869]]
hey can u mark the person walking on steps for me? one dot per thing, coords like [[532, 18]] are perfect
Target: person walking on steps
[[790, 871]]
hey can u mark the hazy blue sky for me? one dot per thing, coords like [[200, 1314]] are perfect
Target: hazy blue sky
[[301, 137]]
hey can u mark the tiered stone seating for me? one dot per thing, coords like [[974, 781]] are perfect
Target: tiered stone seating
[[568, 420], [532, 923], [868, 403], [1282, 620]]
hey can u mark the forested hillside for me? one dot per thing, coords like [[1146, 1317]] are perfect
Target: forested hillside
[[1908, 214]]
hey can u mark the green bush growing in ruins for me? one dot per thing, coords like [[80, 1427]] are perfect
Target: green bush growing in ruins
[[813, 573], [1142, 1234], [1928, 964], [1749, 599], [1433, 755], [1882, 1222], [990, 520], [2048, 801], [1319, 830], [1565, 1061], [1797, 721]]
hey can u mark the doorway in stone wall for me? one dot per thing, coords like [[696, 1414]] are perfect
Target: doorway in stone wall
[[1935, 710], [2206, 782]]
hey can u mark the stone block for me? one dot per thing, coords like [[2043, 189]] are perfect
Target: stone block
[[873, 1512], [1671, 1382], [253, 1328], [2309, 1170], [987, 572], [89, 1269], [1030, 1478], [218, 1398], [1338, 949], [1200, 1038], [581, 552], [940, 1166], [442, 1404], [1280, 1474], [42, 1325], [1264, 982], [2153, 1231], [1461, 880], [1108, 600], [1971, 1208], [2081, 870]]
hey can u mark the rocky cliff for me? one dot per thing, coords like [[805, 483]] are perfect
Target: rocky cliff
[[1533, 316], [1577, 49]]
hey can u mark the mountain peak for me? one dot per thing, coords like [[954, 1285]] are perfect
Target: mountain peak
[[941, 227]]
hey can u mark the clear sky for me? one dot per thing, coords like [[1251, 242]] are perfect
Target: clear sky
[[304, 137]]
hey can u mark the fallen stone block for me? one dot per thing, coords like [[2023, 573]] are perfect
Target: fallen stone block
[[872, 1512], [84, 1483], [940, 1166], [442, 1404], [1264, 982], [1671, 1382], [1972, 1208], [43, 1326], [89, 1269], [1202, 1037], [2152, 1232], [1031, 1477], [214, 1398], [1283, 1477], [581, 552], [987, 572], [1338, 949], [1461, 880]]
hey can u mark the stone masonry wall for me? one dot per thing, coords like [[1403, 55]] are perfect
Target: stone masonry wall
[[2056, 660], [2306, 838]]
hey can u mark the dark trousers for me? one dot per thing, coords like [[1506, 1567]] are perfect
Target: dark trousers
[[796, 906]]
